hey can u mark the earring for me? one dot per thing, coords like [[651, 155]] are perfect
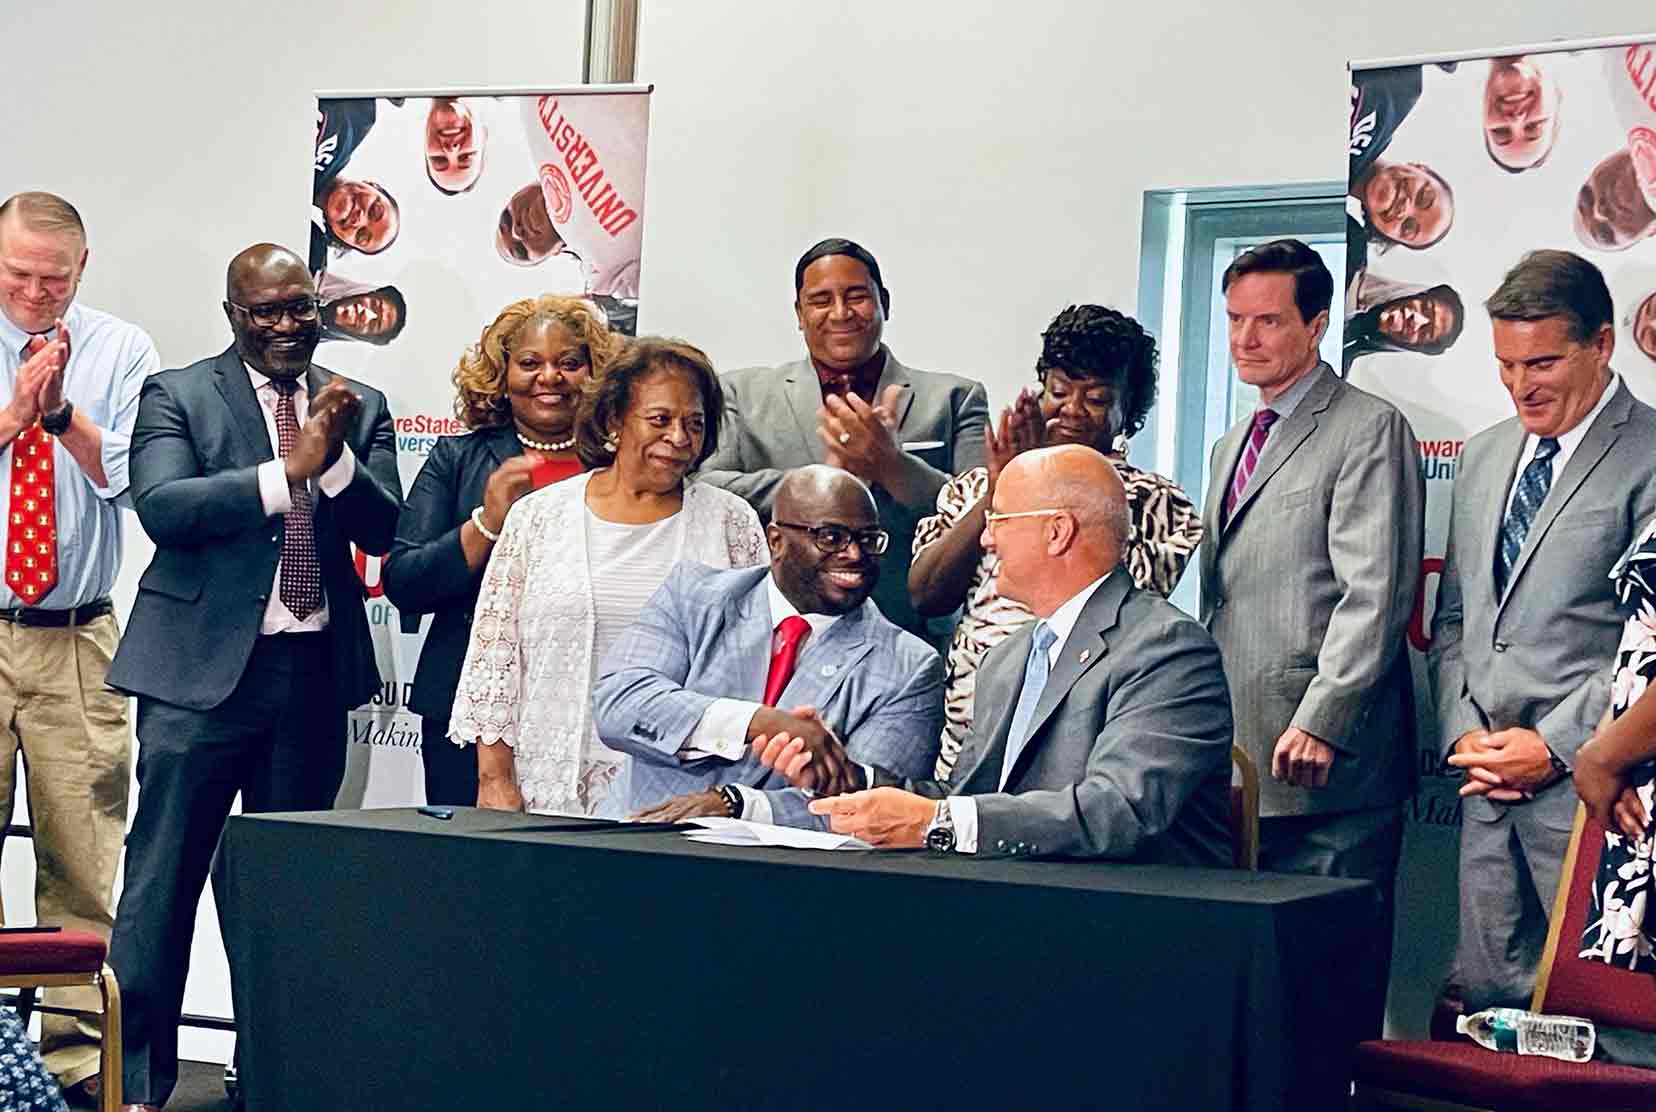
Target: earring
[[611, 444]]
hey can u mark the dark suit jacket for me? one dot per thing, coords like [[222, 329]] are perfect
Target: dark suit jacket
[[426, 572], [1129, 748], [196, 447], [771, 427]]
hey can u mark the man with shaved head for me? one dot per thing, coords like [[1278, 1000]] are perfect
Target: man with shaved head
[[69, 381], [253, 471], [1100, 730], [719, 658]]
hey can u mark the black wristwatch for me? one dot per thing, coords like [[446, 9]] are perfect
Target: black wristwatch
[[58, 423], [733, 801], [940, 832]]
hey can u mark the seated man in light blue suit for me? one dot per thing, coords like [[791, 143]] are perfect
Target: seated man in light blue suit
[[716, 656]]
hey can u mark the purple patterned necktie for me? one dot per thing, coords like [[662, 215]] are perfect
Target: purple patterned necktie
[[1263, 419], [301, 586]]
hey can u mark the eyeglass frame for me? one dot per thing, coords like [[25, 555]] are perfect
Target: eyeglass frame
[[281, 309], [991, 518], [851, 534]]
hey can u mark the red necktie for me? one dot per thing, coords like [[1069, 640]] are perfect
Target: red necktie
[[301, 575], [792, 629], [31, 535], [1263, 419]]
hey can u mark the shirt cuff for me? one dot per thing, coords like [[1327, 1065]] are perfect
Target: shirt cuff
[[722, 731], [756, 805], [963, 810], [274, 493], [335, 479]]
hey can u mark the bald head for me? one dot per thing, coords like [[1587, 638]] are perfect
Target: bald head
[[824, 540], [270, 301], [1046, 557], [807, 493]]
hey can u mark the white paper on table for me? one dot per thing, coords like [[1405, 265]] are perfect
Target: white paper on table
[[741, 832]]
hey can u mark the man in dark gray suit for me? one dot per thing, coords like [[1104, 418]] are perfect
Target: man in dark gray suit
[[253, 472], [1310, 563], [1101, 730], [1526, 624], [852, 405]]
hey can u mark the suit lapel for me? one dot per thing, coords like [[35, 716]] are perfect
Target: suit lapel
[[1495, 512], [236, 388], [895, 374], [804, 394], [747, 615], [1082, 650], [1299, 426], [1598, 441], [502, 443], [1219, 480], [997, 692], [824, 664]]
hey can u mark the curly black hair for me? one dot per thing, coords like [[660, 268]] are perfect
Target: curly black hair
[[1090, 341]]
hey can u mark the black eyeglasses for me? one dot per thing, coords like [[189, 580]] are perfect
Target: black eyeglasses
[[301, 309], [834, 538]]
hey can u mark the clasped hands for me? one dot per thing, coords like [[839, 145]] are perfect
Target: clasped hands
[[39, 386], [862, 438], [1508, 766], [322, 437]]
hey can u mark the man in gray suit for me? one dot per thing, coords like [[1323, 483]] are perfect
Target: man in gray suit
[[1526, 624], [716, 656], [1100, 730], [1313, 524], [852, 405]]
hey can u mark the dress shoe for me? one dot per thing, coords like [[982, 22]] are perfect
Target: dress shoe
[[83, 1093]]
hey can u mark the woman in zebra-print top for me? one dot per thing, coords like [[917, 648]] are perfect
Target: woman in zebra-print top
[[1097, 376]]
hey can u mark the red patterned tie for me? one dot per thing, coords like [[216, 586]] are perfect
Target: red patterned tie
[[792, 629], [301, 588], [31, 534], [1263, 419]]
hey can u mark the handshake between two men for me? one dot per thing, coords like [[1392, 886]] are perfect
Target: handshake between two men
[[1102, 729]]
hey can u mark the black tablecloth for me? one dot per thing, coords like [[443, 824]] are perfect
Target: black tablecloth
[[385, 959]]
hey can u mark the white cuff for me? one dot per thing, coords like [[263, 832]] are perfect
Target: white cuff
[[335, 479], [274, 494], [756, 805], [722, 731], [963, 810]]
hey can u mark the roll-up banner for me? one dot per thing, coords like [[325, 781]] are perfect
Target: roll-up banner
[[430, 212], [1458, 166]]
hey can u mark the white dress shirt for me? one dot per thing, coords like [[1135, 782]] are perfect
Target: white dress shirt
[[277, 498], [1568, 442]]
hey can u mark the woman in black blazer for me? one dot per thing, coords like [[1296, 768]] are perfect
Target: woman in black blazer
[[518, 390]]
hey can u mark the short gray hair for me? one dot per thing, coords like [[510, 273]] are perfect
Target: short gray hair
[[1554, 284]]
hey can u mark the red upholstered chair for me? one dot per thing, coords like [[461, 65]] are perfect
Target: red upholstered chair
[[1244, 810], [1452, 1076], [31, 959]]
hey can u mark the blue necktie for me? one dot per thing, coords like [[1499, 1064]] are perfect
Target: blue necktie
[[1034, 682], [1533, 485]]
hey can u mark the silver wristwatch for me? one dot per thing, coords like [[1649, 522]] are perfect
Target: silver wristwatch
[[940, 832]]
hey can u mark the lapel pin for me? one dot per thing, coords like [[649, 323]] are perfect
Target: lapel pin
[[1086, 655], [829, 669]]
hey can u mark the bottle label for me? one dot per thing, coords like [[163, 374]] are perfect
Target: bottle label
[[1566, 1039]]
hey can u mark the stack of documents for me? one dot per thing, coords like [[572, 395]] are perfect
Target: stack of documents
[[740, 832]]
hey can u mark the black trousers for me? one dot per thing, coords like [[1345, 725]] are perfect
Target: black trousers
[[450, 769], [279, 741]]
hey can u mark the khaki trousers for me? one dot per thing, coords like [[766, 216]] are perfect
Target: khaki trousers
[[76, 745]]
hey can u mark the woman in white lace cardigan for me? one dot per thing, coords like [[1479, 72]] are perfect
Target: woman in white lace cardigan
[[575, 563]]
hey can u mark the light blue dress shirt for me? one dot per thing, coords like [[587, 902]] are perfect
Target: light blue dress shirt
[[108, 362]]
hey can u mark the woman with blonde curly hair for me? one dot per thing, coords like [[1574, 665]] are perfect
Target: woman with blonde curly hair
[[576, 564], [518, 389]]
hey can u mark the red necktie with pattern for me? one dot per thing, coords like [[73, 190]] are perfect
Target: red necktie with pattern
[[31, 533], [792, 629], [301, 586], [1263, 419]]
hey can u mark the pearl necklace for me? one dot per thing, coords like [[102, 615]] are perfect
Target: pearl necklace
[[546, 446]]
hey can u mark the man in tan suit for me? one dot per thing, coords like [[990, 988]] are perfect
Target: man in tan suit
[[1313, 524]]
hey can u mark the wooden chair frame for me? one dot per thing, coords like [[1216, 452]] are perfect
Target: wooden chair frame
[[109, 1020], [1247, 847]]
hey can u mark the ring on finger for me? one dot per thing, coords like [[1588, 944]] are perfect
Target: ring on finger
[[845, 438]]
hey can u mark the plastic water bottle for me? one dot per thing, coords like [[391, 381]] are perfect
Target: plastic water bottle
[[1564, 1037]]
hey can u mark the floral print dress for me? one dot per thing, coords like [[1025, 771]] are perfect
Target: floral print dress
[[25, 1086], [1622, 931]]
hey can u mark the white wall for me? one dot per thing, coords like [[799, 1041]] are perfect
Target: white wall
[[993, 155]]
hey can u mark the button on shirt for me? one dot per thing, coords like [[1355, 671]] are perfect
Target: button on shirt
[[277, 498], [1568, 442], [963, 808], [108, 362], [722, 731]]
